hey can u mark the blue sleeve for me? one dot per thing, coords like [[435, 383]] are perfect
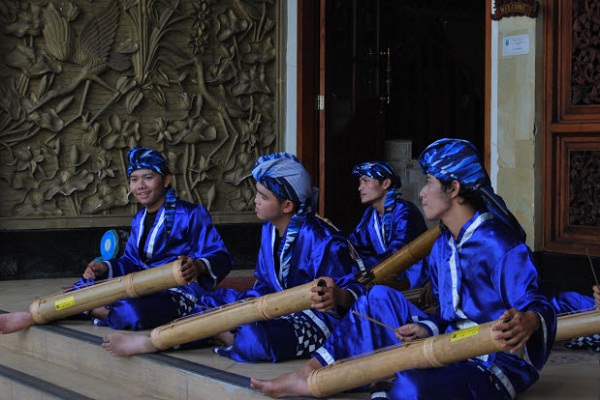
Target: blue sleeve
[[359, 237], [206, 244], [332, 258], [407, 226], [517, 280], [567, 302]]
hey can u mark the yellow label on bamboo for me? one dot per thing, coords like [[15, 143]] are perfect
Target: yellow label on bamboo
[[464, 333], [64, 303]]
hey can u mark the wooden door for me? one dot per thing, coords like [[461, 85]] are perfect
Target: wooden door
[[388, 70], [571, 182], [353, 130]]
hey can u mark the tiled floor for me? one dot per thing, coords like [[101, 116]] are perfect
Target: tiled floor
[[569, 374]]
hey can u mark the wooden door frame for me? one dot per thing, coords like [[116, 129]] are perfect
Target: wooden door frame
[[488, 86], [310, 78]]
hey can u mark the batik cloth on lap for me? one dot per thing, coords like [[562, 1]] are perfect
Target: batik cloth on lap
[[152, 310], [194, 235]]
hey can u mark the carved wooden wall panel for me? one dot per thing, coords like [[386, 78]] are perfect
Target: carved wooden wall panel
[[82, 82], [572, 127]]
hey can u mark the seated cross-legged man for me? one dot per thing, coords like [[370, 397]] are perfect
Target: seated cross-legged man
[[388, 224], [164, 230]]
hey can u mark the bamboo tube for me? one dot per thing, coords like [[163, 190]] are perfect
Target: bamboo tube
[[413, 295], [131, 285], [230, 316], [435, 351], [403, 258], [575, 325]]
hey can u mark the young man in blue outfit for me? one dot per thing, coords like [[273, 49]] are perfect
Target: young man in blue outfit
[[481, 270], [296, 248], [389, 222], [166, 229]]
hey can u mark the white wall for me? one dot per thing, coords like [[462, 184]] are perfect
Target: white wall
[[515, 76], [291, 72]]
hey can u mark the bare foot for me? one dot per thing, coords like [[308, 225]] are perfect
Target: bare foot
[[292, 384], [15, 321], [121, 344], [100, 312], [226, 337]]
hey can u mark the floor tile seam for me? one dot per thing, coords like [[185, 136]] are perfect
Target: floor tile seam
[[41, 385]]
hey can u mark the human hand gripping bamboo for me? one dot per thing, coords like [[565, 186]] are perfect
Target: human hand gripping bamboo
[[191, 268]]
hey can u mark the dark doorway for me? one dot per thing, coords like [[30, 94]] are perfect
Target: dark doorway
[[396, 70]]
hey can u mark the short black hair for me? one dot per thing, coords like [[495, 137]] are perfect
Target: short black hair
[[280, 200], [470, 197]]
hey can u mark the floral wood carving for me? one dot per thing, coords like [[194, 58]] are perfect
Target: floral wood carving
[[83, 81], [585, 57], [584, 188]]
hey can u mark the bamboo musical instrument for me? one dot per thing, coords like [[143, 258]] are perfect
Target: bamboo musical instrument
[[230, 316], [402, 259], [135, 284], [435, 351]]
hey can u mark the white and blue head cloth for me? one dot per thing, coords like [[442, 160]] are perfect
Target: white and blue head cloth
[[456, 159], [150, 159], [381, 171], [284, 175]]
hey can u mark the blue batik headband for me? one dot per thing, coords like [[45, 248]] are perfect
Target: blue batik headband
[[284, 175], [145, 158], [379, 170], [382, 170], [456, 159]]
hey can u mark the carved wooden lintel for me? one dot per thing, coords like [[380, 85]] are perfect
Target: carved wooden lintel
[[514, 8]]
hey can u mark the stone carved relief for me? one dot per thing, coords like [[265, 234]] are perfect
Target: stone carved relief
[[585, 57], [584, 188], [82, 82]]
